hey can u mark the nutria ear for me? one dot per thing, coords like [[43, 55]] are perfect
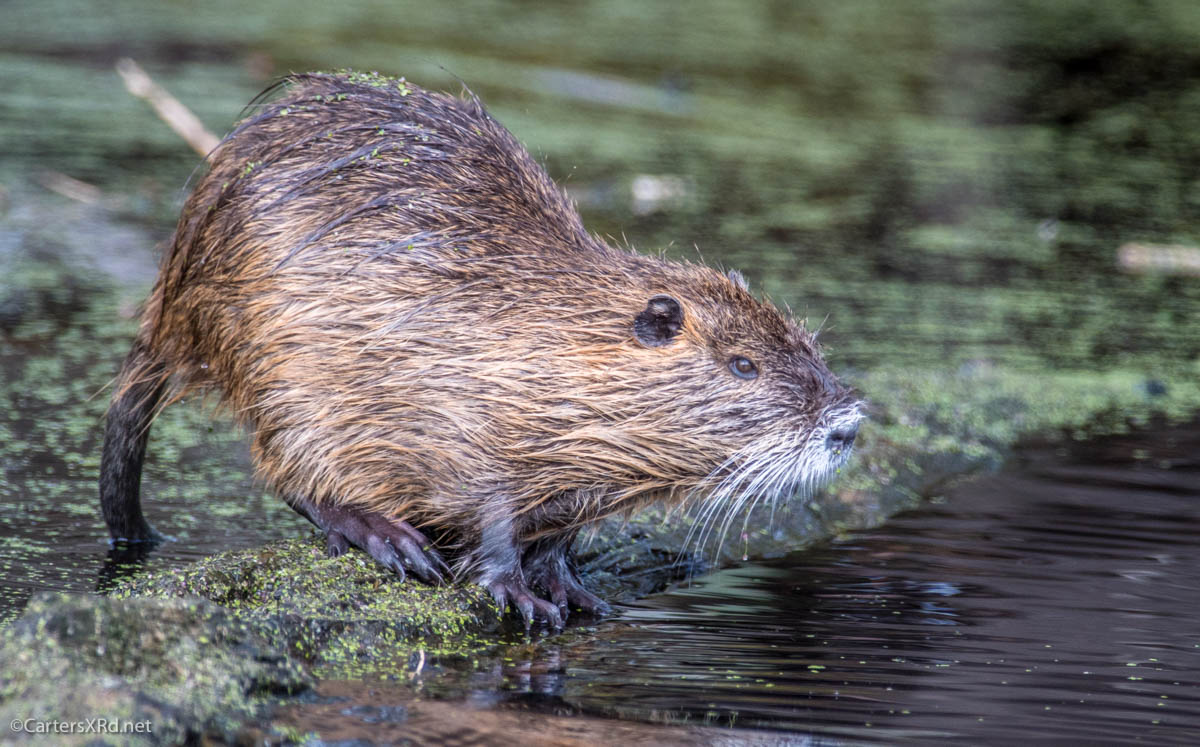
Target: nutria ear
[[659, 322], [738, 279]]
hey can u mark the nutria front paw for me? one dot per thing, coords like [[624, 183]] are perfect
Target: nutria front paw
[[393, 542], [510, 587]]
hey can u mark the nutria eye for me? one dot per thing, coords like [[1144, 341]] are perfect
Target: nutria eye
[[743, 368]]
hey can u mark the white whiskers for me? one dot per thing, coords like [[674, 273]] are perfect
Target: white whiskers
[[773, 468]]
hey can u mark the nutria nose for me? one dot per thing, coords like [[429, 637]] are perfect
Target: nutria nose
[[842, 438]]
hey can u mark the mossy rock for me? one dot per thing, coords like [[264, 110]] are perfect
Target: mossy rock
[[344, 615], [185, 667]]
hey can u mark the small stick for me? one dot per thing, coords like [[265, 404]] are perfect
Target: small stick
[[1165, 259], [175, 114], [69, 187]]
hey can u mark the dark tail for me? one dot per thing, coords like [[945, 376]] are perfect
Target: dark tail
[[139, 389]]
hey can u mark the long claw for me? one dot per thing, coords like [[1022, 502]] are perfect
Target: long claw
[[553, 617], [558, 595], [382, 550], [336, 543], [500, 596], [418, 562], [439, 562], [526, 608]]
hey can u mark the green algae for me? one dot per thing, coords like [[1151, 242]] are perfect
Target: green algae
[[370, 78], [345, 614]]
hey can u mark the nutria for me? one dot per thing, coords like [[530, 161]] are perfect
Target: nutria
[[409, 318]]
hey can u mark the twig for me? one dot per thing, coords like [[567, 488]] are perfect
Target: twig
[[1165, 259], [175, 114], [69, 187]]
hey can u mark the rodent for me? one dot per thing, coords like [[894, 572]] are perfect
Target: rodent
[[431, 354]]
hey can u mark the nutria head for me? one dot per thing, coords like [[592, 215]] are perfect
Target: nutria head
[[690, 388], [784, 419]]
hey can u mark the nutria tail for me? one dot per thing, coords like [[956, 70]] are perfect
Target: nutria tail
[[140, 386]]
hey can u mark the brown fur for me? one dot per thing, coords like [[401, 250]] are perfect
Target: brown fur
[[409, 317]]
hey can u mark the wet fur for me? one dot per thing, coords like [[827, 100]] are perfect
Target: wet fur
[[408, 317]]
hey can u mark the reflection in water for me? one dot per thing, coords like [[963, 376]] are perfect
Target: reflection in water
[[123, 561], [1055, 602], [396, 716]]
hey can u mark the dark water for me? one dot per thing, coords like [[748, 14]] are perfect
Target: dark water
[[1057, 602], [1060, 602]]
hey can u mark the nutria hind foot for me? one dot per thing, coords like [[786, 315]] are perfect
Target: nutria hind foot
[[393, 542]]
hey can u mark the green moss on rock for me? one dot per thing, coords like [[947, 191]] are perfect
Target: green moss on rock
[[185, 666], [347, 615]]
